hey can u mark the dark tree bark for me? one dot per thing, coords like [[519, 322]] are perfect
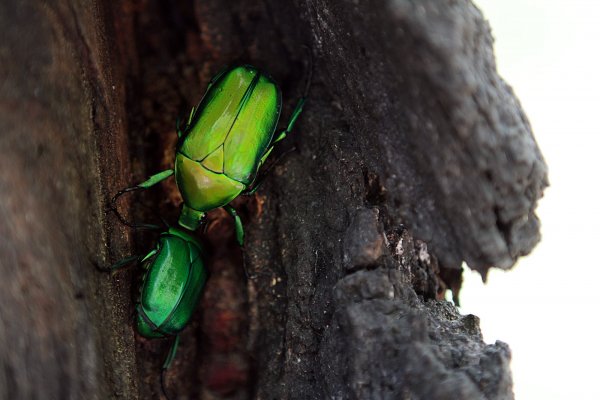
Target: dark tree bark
[[412, 156]]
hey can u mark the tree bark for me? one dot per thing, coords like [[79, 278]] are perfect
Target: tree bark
[[411, 157]]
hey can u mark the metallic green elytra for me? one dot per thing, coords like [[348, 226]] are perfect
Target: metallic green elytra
[[226, 137], [224, 143], [174, 279]]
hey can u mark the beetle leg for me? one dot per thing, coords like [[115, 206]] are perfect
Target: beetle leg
[[171, 354], [300, 105], [149, 255], [239, 228], [178, 127], [119, 265], [123, 263], [247, 274], [191, 117], [265, 156], [167, 364], [282, 134], [260, 177], [295, 114], [254, 188], [258, 181], [153, 180]]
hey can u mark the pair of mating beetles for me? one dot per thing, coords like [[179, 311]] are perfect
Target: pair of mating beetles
[[224, 143]]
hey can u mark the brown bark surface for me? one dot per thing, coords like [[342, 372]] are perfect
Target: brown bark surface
[[412, 156]]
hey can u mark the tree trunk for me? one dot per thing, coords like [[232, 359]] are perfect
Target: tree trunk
[[411, 157]]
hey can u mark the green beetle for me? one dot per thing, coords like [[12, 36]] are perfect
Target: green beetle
[[224, 143], [174, 279], [171, 288]]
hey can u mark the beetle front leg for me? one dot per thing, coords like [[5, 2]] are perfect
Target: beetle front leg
[[260, 177], [153, 180], [239, 228], [123, 263], [127, 261]]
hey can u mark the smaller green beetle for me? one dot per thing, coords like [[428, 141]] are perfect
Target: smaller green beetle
[[171, 288], [226, 140]]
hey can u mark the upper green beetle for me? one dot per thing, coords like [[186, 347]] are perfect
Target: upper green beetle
[[226, 140]]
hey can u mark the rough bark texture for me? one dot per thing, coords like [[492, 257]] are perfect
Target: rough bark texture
[[412, 157]]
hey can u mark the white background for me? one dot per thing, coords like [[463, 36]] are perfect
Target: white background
[[547, 307]]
